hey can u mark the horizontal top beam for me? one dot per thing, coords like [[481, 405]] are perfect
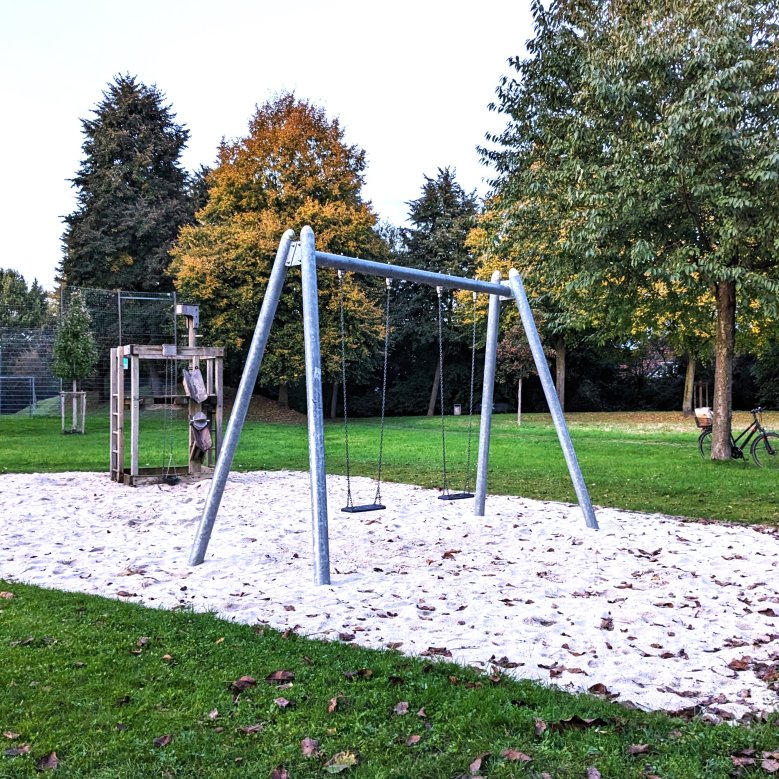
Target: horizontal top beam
[[154, 352], [325, 260]]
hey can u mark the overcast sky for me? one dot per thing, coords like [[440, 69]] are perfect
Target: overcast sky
[[410, 82]]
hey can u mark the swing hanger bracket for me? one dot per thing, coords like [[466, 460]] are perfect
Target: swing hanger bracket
[[294, 255]]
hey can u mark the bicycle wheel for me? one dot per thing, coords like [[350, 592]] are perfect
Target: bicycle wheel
[[704, 444], [765, 451]]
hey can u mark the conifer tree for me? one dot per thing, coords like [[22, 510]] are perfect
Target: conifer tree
[[20, 306], [441, 219], [133, 194]]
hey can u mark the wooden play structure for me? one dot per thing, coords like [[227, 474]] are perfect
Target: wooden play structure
[[203, 394]]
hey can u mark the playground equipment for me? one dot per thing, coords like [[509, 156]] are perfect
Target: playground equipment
[[309, 259], [377, 505], [446, 493], [204, 399]]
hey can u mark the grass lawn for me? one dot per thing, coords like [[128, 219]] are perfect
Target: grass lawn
[[118, 691], [96, 688], [646, 462]]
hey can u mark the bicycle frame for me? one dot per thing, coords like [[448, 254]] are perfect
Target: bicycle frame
[[754, 427], [740, 442]]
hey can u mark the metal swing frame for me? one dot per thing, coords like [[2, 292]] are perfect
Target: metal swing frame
[[309, 260]]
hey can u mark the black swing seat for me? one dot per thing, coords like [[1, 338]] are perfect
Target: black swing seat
[[455, 496], [364, 507]]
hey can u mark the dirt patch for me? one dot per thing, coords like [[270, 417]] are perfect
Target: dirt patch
[[262, 409]]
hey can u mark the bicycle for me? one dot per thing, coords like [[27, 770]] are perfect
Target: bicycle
[[765, 443]]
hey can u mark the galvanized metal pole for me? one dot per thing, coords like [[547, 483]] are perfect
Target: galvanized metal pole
[[387, 271], [242, 399], [488, 384], [316, 423], [518, 288]]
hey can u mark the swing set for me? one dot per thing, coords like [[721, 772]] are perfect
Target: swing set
[[446, 494], [305, 255]]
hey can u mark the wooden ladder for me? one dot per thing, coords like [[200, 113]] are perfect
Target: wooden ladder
[[117, 414]]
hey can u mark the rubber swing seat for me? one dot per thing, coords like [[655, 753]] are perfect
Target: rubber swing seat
[[364, 507], [456, 496]]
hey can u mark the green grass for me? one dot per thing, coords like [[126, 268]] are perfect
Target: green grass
[[98, 681], [650, 466]]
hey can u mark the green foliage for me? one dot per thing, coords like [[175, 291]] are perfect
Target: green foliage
[[292, 169], [639, 165], [133, 195], [766, 374], [441, 218], [20, 306], [75, 351]]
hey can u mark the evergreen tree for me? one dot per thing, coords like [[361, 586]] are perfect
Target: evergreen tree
[[441, 220], [133, 194], [20, 306]]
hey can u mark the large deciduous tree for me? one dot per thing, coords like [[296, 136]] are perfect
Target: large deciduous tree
[[294, 168], [662, 163], [133, 194]]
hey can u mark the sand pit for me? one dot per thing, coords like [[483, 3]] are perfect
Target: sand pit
[[654, 611]]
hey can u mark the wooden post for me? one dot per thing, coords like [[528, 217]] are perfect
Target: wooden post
[[217, 432], [135, 414]]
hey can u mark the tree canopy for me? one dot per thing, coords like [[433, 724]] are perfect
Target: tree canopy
[[75, 350], [441, 219], [641, 148], [292, 169], [20, 306], [133, 195]]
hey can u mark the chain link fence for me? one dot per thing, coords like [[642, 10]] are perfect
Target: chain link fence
[[27, 383]]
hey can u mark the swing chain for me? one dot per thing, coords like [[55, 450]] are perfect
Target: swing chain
[[349, 501], [439, 291], [377, 498], [467, 486]]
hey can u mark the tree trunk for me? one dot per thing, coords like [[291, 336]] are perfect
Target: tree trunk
[[283, 396], [519, 402], [434, 391], [334, 401], [74, 411], [724, 346], [689, 386], [559, 347]]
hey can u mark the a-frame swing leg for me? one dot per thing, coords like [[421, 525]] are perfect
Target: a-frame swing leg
[[242, 399], [315, 415], [533, 339]]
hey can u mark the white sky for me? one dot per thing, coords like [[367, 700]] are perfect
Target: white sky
[[410, 82]]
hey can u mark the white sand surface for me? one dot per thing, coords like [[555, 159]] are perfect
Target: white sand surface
[[658, 612]]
